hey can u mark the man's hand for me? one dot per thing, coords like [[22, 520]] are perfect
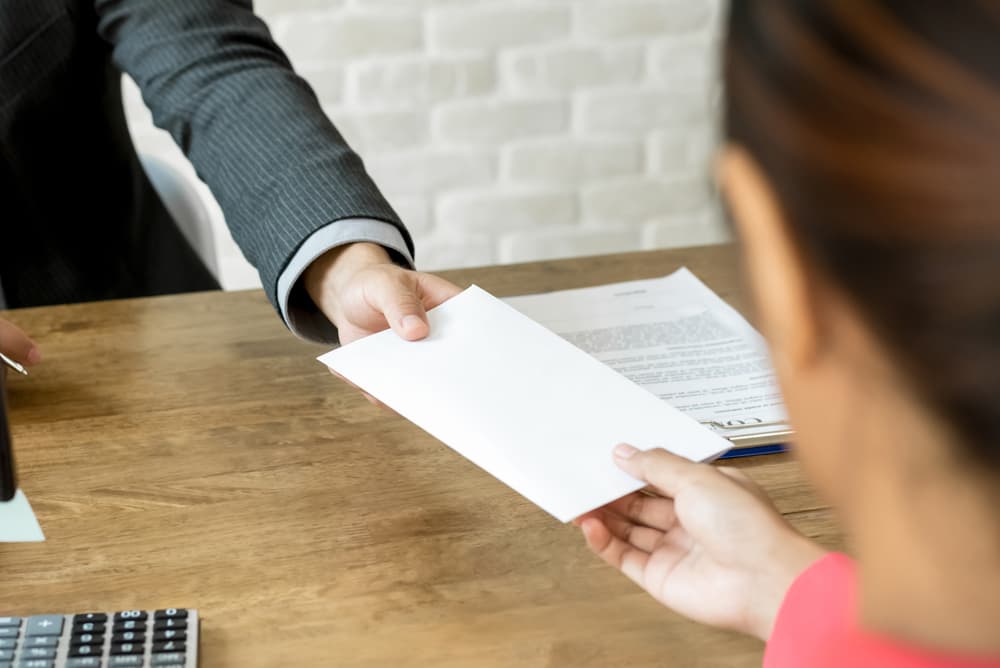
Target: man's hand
[[705, 541], [361, 290], [16, 345]]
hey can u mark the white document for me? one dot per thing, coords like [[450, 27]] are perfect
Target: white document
[[676, 338], [17, 521], [534, 411]]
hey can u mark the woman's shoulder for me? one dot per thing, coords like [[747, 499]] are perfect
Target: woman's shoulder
[[817, 627], [815, 614]]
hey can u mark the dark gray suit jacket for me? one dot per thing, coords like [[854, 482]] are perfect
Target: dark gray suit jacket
[[78, 218]]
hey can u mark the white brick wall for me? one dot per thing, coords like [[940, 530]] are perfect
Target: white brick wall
[[513, 130]]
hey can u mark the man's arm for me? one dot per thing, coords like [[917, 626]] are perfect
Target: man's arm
[[284, 177]]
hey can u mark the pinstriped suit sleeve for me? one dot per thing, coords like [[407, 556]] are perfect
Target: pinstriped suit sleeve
[[252, 128]]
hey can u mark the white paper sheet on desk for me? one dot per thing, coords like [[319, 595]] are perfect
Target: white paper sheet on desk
[[531, 409], [17, 521], [678, 340]]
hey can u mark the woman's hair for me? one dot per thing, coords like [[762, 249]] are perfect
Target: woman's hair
[[878, 124]]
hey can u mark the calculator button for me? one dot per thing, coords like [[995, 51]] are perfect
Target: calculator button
[[38, 652], [129, 636], [167, 659], [7, 643], [130, 614], [36, 663], [6, 655], [171, 613], [90, 617], [168, 646], [129, 625], [125, 660], [41, 641], [88, 627], [170, 634], [44, 625], [85, 650], [128, 648], [84, 662], [161, 624], [10, 621], [8, 633], [87, 639]]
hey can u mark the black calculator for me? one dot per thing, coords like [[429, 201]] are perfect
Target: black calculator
[[142, 638]]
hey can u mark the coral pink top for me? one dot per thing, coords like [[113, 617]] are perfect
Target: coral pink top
[[817, 627]]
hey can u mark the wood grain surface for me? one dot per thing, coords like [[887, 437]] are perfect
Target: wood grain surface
[[188, 451]]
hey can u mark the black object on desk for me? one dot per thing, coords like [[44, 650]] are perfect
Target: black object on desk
[[8, 475]]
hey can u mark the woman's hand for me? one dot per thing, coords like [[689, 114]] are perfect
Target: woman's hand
[[705, 541], [16, 345]]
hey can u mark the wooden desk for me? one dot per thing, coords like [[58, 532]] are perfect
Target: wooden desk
[[188, 451]]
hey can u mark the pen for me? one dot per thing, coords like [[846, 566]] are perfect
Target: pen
[[13, 365]]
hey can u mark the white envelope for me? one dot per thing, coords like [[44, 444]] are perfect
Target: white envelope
[[531, 409]]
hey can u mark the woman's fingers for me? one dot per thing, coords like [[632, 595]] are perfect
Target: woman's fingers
[[636, 535], [614, 551], [664, 471], [652, 511]]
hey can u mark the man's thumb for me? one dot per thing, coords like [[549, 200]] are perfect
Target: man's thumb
[[404, 311]]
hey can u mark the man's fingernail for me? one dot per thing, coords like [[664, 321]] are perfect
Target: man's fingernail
[[625, 451], [34, 356], [411, 322]]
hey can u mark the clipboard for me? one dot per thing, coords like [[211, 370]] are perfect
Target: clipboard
[[773, 439]]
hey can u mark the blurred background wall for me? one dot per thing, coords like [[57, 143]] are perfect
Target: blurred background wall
[[509, 130]]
